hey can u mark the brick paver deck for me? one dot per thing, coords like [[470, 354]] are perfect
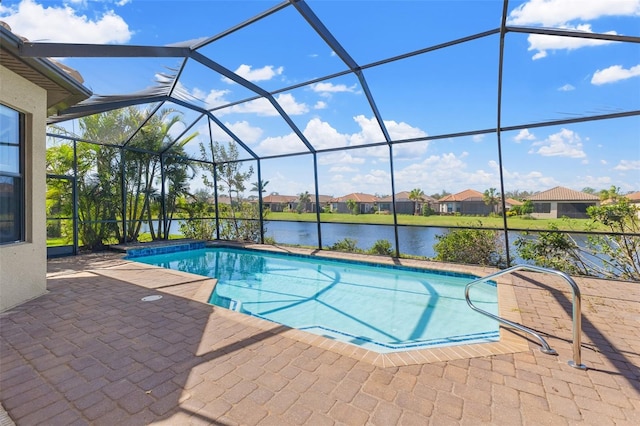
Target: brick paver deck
[[92, 352]]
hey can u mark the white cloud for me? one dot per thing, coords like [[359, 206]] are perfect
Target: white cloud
[[592, 182], [322, 136], [370, 131], [435, 173], [320, 105], [565, 143], [532, 180], [290, 106], [625, 165], [401, 131], [216, 98], [246, 132], [376, 178], [343, 169], [327, 89], [478, 138], [524, 135], [566, 88], [613, 74], [542, 43], [339, 157], [263, 107], [569, 15], [409, 150], [281, 144], [260, 74], [554, 13], [64, 24]]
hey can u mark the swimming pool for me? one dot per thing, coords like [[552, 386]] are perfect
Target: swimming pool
[[381, 308]]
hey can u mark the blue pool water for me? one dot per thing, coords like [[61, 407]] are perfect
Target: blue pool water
[[381, 308]]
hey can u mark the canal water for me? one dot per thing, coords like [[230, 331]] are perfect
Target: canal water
[[413, 240]]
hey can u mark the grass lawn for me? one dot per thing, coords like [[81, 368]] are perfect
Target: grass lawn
[[60, 241], [442, 221]]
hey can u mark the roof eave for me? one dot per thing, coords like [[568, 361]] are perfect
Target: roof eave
[[77, 92]]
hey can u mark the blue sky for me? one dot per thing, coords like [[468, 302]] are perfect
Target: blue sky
[[437, 93]]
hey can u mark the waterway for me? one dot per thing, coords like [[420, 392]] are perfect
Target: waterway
[[413, 240]]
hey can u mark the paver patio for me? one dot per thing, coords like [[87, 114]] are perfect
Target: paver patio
[[92, 352]]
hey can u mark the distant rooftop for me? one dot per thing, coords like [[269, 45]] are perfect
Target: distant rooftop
[[560, 193]]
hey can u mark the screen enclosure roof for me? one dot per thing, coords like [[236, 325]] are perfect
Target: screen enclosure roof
[[293, 77]]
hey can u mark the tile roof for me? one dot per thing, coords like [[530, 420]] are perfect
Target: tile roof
[[466, 195], [634, 197], [560, 193], [513, 202], [275, 198], [322, 198], [358, 197], [404, 196]]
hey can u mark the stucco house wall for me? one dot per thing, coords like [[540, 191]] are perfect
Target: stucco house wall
[[36, 88], [23, 265]]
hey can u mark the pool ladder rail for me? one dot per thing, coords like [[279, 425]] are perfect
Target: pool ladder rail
[[577, 314]]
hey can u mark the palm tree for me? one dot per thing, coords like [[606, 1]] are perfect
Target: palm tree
[[352, 205], [416, 195], [178, 173], [491, 198], [259, 186], [155, 136], [304, 198]]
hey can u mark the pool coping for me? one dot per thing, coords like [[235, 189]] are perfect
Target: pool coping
[[509, 341]]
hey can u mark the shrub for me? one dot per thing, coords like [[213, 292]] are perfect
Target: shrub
[[615, 255], [199, 229], [348, 245], [554, 250], [472, 246], [427, 211], [382, 247]]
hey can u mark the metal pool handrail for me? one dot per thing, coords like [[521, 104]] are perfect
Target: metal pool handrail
[[577, 314]]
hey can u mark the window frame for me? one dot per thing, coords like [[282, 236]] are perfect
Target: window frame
[[19, 221]]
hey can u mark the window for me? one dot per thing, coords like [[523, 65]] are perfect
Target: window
[[574, 210], [11, 175], [542, 207]]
